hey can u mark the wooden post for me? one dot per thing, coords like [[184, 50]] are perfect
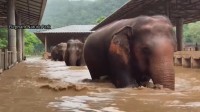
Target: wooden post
[[6, 59], [196, 47], [11, 32], [179, 33], [19, 40], [23, 49], [45, 43], [167, 8]]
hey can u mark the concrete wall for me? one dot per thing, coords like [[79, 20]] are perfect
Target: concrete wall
[[189, 59]]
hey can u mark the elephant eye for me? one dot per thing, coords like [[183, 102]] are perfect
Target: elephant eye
[[146, 50]]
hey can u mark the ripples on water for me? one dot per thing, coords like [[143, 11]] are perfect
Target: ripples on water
[[103, 97]]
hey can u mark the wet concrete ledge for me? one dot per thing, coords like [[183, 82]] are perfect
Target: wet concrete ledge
[[188, 59]]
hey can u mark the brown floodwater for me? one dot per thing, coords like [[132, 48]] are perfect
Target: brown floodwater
[[37, 85]]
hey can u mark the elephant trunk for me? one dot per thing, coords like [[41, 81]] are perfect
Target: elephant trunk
[[162, 72], [73, 59]]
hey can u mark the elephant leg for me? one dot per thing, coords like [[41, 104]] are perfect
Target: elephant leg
[[67, 60], [66, 63], [121, 75], [78, 62], [142, 78], [96, 71], [144, 81], [97, 66], [82, 61], [54, 58], [96, 62], [60, 58]]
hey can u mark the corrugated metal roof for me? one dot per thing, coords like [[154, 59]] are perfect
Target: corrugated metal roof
[[70, 29], [187, 9], [63, 34], [31, 11]]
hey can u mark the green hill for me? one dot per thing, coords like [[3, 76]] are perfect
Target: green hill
[[60, 13]]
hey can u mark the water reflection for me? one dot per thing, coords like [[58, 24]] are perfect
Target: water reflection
[[84, 103]]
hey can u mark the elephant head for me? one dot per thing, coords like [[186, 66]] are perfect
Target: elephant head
[[150, 42], [61, 48], [54, 53], [74, 53]]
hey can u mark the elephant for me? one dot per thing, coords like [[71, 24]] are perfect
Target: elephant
[[54, 53], [58, 51], [74, 53], [133, 51], [61, 47]]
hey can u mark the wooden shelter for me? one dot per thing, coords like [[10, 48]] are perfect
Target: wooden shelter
[[63, 34], [179, 11], [19, 12]]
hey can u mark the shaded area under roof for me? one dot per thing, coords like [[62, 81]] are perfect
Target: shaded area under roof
[[63, 34], [31, 11], [187, 9]]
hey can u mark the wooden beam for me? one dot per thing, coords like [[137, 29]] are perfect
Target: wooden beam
[[179, 33], [19, 39], [12, 32]]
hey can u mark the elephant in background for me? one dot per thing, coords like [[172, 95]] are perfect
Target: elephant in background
[[54, 53], [58, 51], [61, 47], [133, 51], [74, 53]]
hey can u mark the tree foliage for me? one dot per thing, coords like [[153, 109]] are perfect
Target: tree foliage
[[100, 19], [80, 12], [192, 33], [3, 39], [32, 44]]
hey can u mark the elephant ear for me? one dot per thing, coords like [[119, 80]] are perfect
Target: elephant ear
[[120, 43], [126, 31]]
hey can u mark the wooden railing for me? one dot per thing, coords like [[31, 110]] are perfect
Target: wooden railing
[[6, 61]]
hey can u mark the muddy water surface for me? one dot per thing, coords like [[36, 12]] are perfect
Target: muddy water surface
[[43, 86]]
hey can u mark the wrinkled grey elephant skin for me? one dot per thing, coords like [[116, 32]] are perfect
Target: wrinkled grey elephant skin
[[74, 53], [58, 51], [133, 51]]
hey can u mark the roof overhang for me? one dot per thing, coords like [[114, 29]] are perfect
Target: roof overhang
[[31, 11], [63, 34], [189, 10], [55, 38]]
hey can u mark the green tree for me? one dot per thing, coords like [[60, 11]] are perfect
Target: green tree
[[70, 12], [100, 19], [192, 33], [3, 38], [32, 44]]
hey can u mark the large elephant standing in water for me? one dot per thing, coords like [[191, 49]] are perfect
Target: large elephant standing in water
[[133, 51], [61, 47], [74, 53], [58, 51]]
